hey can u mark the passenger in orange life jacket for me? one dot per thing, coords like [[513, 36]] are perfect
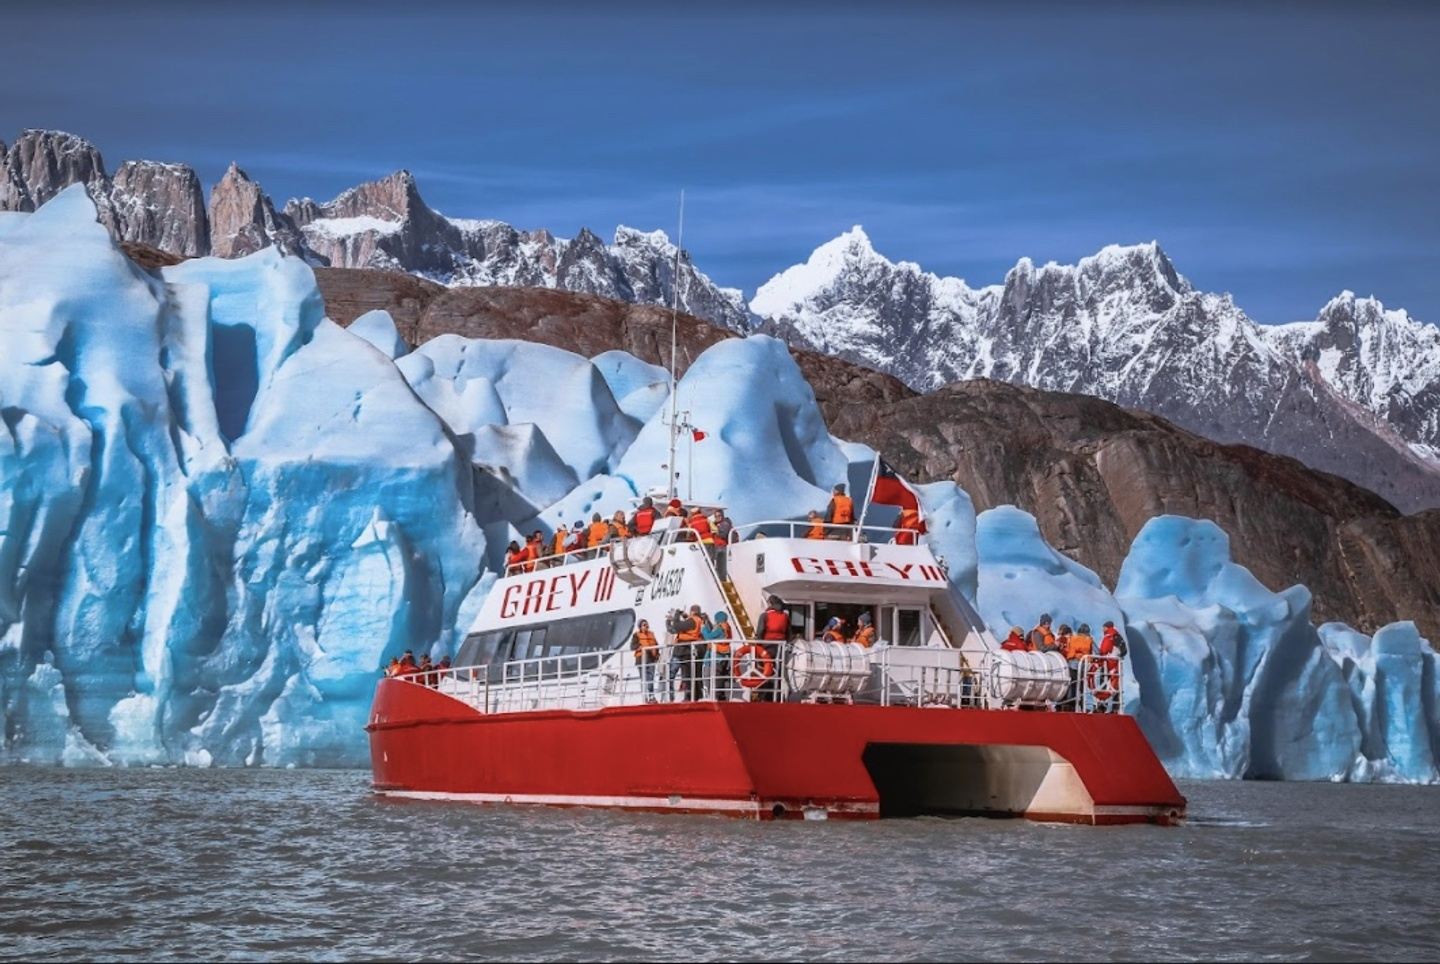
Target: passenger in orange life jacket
[[689, 657], [618, 528], [599, 531], [840, 512], [865, 631], [407, 664], [393, 669], [1042, 640], [774, 628], [834, 631], [718, 635], [644, 518], [647, 653], [700, 525], [774, 621], [557, 547], [1111, 642], [514, 558], [674, 510], [534, 550], [1015, 642], [817, 526], [910, 528]]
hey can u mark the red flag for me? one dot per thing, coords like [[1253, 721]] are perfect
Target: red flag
[[890, 489], [697, 435]]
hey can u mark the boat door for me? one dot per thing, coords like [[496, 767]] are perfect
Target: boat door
[[904, 625]]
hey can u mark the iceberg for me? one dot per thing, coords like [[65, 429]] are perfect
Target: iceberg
[[218, 510]]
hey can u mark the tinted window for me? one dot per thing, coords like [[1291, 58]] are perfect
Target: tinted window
[[565, 637]]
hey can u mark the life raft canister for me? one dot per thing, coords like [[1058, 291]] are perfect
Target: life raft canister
[[752, 665]]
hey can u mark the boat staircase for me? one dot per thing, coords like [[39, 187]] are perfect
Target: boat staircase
[[732, 596]]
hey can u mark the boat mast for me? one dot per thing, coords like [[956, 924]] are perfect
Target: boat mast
[[674, 327]]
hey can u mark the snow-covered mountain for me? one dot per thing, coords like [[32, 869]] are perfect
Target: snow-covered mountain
[[386, 224], [379, 224], [1384, 361], [1123, 325]]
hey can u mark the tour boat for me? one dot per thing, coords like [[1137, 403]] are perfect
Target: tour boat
[[548, 703]]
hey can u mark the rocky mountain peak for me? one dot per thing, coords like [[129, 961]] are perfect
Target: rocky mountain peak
[[394, 197], [243, 220], [163, 206], [1122, 324], [45, 162]]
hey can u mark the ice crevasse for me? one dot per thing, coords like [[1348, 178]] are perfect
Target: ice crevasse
[[220, 513]]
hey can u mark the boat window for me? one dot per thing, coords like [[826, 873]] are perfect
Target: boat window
[[850, 612], [564, 637], [907, 629], [885, 628]]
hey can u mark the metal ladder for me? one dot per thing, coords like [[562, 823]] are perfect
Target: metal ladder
[[732, 595]]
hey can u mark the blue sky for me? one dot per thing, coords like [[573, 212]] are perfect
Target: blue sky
[[1278, 151]]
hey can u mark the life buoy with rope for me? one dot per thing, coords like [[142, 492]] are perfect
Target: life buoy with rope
[[1101, 677], [752, 665]]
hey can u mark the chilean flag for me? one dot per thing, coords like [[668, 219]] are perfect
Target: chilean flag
[[890, 489], [697, 435]]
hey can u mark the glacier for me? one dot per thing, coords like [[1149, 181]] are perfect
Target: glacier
[[220, 513]]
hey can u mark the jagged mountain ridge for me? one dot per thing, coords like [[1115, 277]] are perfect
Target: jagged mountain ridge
[[1357, 392], [1123, 325], [379, 224]]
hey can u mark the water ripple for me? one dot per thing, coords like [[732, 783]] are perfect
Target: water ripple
[[247, 865]]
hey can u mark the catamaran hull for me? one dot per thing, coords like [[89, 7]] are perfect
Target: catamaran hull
[[773, 760]]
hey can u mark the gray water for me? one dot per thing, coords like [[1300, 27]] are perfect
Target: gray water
[[143, 864]]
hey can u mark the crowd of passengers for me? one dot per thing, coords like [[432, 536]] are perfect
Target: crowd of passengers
[[706, 655], [405, 665], [712, 529], [1074, 646]]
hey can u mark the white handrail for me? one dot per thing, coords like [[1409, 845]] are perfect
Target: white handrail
[[681, 672]]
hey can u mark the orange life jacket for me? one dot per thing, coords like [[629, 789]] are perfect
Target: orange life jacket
[[559, 545], [721, 645], [865, 636], [599, 532], [701, 526], [774, 624], [1047, 637], [832, 636], [909, 526], [1079, 645], [692, 634], [644, 520], [620, 529], [1015, 643], [817, 531], [516, 559], [844, 510], [646, 646]]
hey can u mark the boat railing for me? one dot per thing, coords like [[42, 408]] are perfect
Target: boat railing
[[776, 529], [748, 670], [791, 529]]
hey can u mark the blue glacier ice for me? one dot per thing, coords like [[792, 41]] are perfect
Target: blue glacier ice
[[218, 510], [220, 513]]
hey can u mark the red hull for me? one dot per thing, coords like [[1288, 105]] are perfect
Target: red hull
[[765, 760]]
